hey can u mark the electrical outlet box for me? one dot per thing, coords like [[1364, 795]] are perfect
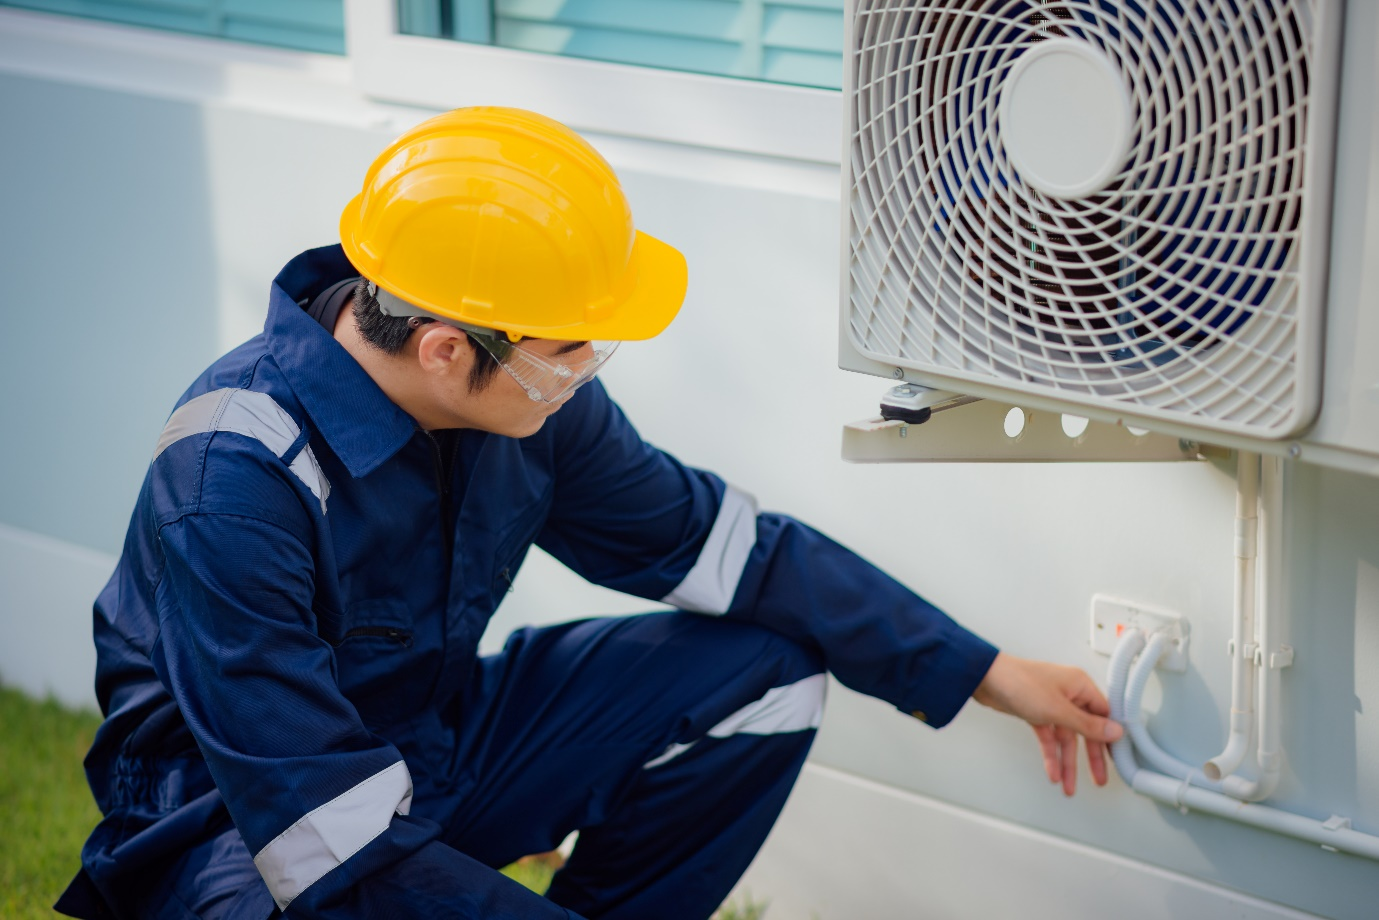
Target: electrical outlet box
[[1112, 616]]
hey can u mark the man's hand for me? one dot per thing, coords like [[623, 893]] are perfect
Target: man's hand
[[1060, 703]]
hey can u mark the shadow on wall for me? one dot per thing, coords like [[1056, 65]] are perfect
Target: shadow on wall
[[110, 312], [1332, 619], [1335, 622]]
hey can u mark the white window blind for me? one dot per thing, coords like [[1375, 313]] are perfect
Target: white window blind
[[309, 25], [798, 42]]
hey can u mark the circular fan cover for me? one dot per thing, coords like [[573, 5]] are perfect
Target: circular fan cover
[[1117, 220]]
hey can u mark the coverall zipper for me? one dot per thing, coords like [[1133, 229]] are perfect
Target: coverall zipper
[[443, 471], [400, 636]]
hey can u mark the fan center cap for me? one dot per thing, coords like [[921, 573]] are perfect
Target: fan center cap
[[1066, 118]]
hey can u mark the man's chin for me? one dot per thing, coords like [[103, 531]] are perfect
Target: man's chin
[[528, 428]]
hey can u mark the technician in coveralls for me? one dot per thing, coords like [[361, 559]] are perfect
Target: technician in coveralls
[[297, 719]]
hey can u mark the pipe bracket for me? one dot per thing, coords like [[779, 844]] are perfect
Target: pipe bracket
[[1337, 823]]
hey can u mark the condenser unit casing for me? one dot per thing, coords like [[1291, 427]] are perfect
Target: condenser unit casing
[[1163, 214]]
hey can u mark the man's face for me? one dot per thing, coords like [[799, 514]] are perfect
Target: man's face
[[505, 406], [502, 406]]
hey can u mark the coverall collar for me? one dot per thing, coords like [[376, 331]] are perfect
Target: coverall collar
[[358, 420]]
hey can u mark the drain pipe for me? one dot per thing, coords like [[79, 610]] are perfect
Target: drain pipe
[[1335, 833], [1179, 784], [1243, 645], [1234, 786], [1271, 656], [1135, 727]]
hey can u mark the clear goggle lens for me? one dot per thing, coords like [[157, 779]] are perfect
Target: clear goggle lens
[[544, 379]]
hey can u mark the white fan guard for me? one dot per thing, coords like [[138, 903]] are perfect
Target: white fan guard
[[1102, 201]]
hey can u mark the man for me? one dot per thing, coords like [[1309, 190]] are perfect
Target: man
[[297, 718]]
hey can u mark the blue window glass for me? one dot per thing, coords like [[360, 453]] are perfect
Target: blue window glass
[[309, 25], [800, 41]]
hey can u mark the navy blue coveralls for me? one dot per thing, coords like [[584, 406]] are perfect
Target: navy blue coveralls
[[297, 718]]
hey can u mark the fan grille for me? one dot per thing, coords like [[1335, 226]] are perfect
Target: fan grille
[[1171, 292]]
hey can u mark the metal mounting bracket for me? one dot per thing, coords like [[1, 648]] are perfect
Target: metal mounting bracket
[[984, 431]]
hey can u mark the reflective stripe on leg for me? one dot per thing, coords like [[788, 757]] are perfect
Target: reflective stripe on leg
[[792, 708]]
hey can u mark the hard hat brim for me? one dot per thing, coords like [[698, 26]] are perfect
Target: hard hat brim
[[661, 278], [661, 281]]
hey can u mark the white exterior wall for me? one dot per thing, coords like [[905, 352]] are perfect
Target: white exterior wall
[[153, 186]]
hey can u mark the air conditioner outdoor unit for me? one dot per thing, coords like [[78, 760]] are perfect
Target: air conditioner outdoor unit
[[1162, 213]]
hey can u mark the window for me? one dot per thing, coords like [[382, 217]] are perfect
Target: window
[[696, 72], [746, 76], [308, 25], [790, 41]]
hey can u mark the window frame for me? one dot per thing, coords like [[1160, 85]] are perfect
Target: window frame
[[746, 116]]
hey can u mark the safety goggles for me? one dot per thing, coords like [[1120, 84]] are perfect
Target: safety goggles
[[545, 379]]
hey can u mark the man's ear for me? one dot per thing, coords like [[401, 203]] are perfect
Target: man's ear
[[443, 349]]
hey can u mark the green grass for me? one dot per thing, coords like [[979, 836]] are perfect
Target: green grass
[[48, 810], [47, 807], [534, 874]]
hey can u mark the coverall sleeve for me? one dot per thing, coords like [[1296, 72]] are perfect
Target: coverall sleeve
[[321, 802], [632, 518]]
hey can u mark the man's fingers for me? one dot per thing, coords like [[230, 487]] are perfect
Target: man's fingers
[[1060, 703], [1089, 725], [1095, 728], [1096, 761], [1067, 743], [1048, 746], [1088, 697]]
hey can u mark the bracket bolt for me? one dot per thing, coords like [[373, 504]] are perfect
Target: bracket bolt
[[898, 373], [1295, 450]]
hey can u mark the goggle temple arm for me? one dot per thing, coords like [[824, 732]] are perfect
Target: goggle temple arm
[[392, 305]]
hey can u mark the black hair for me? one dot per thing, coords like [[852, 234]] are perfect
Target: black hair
[[389, 334]]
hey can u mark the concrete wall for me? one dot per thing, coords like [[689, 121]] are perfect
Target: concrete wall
[[154, 185]]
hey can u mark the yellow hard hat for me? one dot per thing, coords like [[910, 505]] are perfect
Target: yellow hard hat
[[509, 220]]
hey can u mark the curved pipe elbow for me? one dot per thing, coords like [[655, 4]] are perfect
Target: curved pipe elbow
[[1257, 789], [1230, 759]]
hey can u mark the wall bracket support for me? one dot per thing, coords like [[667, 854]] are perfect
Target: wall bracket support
[[980, 432]]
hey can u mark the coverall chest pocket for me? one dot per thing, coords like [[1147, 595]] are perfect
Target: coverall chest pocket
[[375, 656], [511, 548]]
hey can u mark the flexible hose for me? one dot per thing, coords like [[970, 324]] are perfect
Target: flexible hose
[[1122, 751], [1138, 731]]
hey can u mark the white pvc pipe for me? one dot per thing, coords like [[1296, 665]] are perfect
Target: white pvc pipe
[[1269, 651], [1333, 834], [1268, 633], [1242, 625], [1180, 794], [1149, 749]]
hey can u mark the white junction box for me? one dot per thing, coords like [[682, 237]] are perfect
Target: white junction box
[[1112, 616]]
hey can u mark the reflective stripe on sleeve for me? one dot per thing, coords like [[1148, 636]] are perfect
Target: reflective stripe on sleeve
[[795, 707], [254, 415], [327, 836], [710, 585]]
